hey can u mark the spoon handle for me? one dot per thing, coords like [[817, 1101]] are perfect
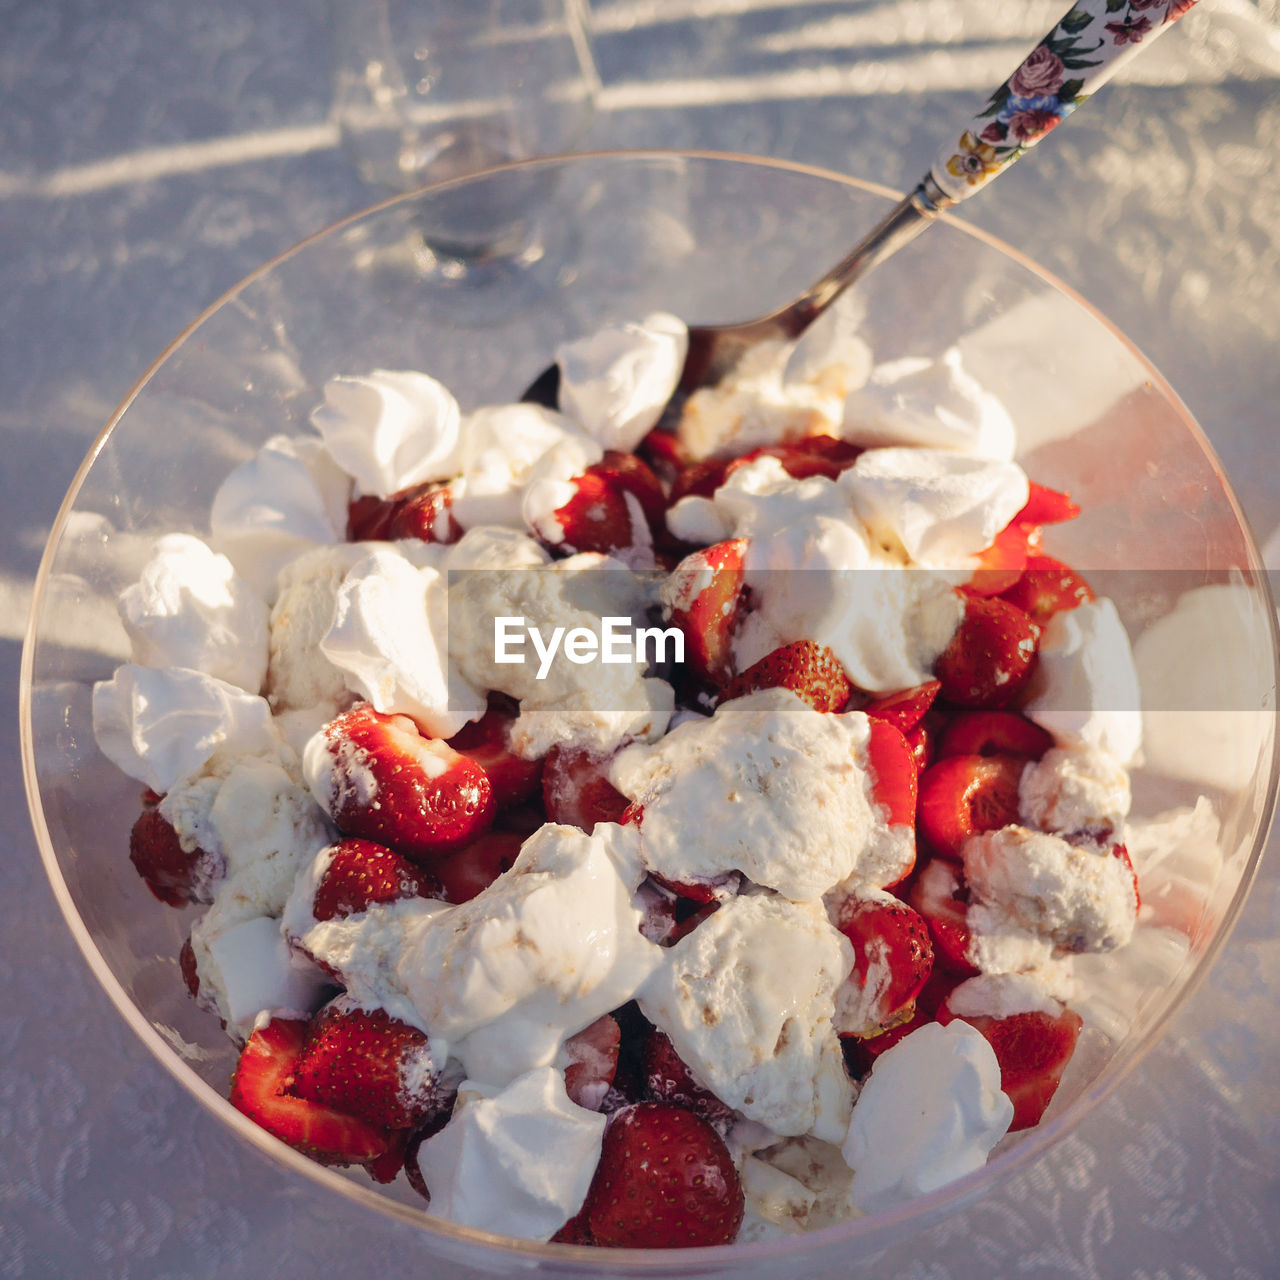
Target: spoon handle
[[1091, 43]]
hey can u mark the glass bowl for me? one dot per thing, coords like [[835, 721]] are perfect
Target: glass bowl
[[577, 242]]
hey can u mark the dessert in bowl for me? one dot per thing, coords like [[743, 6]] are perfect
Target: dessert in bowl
[[1000, 376]]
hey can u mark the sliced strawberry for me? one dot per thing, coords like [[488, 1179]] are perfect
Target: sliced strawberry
[[705, 594], [922, 739], [175, 875], [892, 955], [593, 1062], [1045, 587], [661, 450], [368, 517], [391, 785], [575, 1231], [963, 795], [187, 967], [1001, 564], [370, 1065], [486, 741], [424, 512], [991, 654], [1119, 851], [860, 1052], [260, 1089], [388, 1166], [1033, 1050], [893, 773], [993, 733], [634, 476], [665, 1180], [699, 479], [412, 1169], [904, 709], [811, 671], [667, 1078], [803, 458], [361, 872], [576, 789], [615, 506], [473, 868], [1046, 506], [938, 894]]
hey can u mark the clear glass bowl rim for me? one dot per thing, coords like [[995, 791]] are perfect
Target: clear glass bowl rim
[[874, 1231]]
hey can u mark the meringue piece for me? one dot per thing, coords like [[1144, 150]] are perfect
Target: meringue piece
[[1076, 790], [539, 954], [797, 1185], [1084, 688], [390, 429], [773, 788], [161, 726], [929, 1113], [516, 1160], [934, 403], [290, 496], [747, 999], [299, 674], [493, 547], [1076, 897], [189, 608], [592, 704], [246, 969], [756, 404], [501, 447], [390, 635], [617, 382], [1001, 995], [939, 507]]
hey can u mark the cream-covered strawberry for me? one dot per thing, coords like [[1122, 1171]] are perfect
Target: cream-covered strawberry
[[704, 598]]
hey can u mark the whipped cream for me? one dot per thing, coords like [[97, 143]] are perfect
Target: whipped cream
[[929, 1113], [161, 726], [747, 999], [1077, 790], [514, 1159], [1074, 897], [390, 429], [617, 381], [775, 790], [934, 403], [1084, 688], [189, 608], [290, 496]]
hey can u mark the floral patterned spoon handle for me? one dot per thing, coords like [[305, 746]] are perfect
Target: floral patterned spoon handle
[[1078, 56]]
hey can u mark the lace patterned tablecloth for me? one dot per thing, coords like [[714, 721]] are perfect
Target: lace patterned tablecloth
[[152, 152]]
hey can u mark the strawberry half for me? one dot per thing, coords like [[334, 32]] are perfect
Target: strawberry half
[[576, 789], [593, 1062], [892, 954], [665, 1180], [616, 505], [667, 1078], [261, 1089], [370, 1065], [811, 671], [961, 796], [487, 742], [705, 598], [360, 873], [473, 868], [894, 777], [990, 656], [175, 875], [423, 511], [1033, 1050], [904, 709], [389, 784], [939, 895], [808, 456], [1045, 587], [993, 733]]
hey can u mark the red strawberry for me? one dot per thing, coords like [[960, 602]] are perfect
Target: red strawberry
[[904, 709], [699, 479], [705, 596], [661, 450], [473, 868], [368, 517], [993, 733], [187, 967], [391, 785], [388, 1166], [811, 671], [665, 1181], [1001, 564], [938, 894], [370, 1065], [667, 1078], [361, 872], [412, 1170], [1033, 1050], [486, 742], [891, 951], [1045, 587], [990, 656], [593, 1061], [175, 875], [615, 506], [922, 739], [961, 796], [425, 512], [575, 1231], [1045, 506], [860, 1052], [576, 789], [260, 1088], [893, 774], [810, 456]]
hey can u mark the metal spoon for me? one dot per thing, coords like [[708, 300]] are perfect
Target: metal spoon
[[1087, 47]]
